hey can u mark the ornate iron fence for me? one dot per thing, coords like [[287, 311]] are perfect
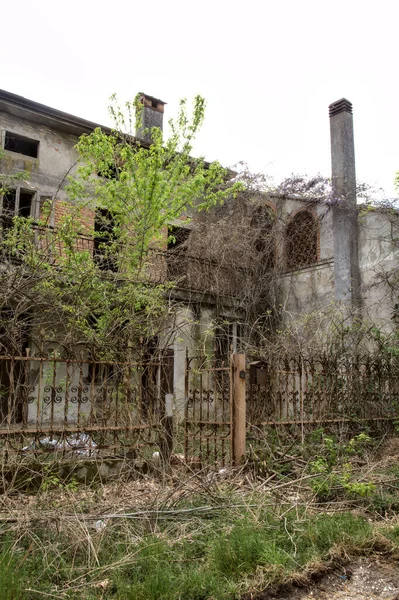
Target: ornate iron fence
[[84, 408], [207, 423], [79, 407], [301, 394]]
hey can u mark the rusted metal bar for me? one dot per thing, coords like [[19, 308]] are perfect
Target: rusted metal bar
[[321, 421], [207, 423], [186, 400], [76, 361], [70, 429]]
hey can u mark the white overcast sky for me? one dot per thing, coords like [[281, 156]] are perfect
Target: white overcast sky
[[267, 68]]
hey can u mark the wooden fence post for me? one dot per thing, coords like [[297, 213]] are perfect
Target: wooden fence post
[[238, 408]]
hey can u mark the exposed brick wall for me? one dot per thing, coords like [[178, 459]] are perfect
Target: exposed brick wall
[[85, 219]]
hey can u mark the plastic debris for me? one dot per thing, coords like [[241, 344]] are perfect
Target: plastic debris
[[80, 444], [100, 525]]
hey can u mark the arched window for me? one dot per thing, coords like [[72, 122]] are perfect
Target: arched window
[[301, 240], [262, 224]]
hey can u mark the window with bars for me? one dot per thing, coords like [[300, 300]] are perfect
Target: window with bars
[[301, 241]]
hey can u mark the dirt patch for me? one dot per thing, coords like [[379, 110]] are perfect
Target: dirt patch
[[364, 579], [389, 449]]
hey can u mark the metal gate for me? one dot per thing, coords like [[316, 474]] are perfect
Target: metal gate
[[215, 411]]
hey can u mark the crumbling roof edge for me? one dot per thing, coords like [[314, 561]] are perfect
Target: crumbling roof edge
[[68, 121]]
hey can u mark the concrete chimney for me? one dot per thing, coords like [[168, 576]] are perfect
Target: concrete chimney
[[344, 211], [151, 116]]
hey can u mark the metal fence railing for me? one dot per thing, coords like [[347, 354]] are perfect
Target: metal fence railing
[[208, 412], [307, 393], [190, 272], [84, 408], [78, 407]]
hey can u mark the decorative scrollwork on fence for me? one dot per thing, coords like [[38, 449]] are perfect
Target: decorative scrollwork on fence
[[79, 396], [31, 398], [52, 394]]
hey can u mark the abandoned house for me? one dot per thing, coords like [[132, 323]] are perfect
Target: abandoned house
[[322, 252]]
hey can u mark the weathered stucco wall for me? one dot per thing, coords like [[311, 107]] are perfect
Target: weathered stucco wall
[[312, 288], [378, 260], [309, 288], [56, 154]]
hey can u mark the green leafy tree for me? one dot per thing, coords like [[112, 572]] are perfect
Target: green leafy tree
[[142, 187]]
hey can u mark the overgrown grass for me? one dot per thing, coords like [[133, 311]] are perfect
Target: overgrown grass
[[249, 537], [12, 584], [199, 559]]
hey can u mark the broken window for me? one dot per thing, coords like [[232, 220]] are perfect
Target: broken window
[[21, 144], [157, 377], [103, 240], [149, 377], [16, 203], [167, 371], [301, 240], [98, 371], [228, 338]]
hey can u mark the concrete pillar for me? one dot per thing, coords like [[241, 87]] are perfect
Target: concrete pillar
[[238, 410], [344, 211]]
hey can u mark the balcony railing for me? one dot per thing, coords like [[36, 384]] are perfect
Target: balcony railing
[[186, 271]]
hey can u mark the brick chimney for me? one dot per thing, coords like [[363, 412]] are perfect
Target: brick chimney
[[151, 116], [344, 211]]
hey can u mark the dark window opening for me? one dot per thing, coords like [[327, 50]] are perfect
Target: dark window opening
[[157, 377], [263, 222], [178, 236], [14, 377], [258, 373], [21, 144], [223, 342], [103, 239], [301, 241], [14, 206], [9, 208], [109, 171], [99, 373], [25, 204], [14, 332], [177, 251], [228, 339]]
